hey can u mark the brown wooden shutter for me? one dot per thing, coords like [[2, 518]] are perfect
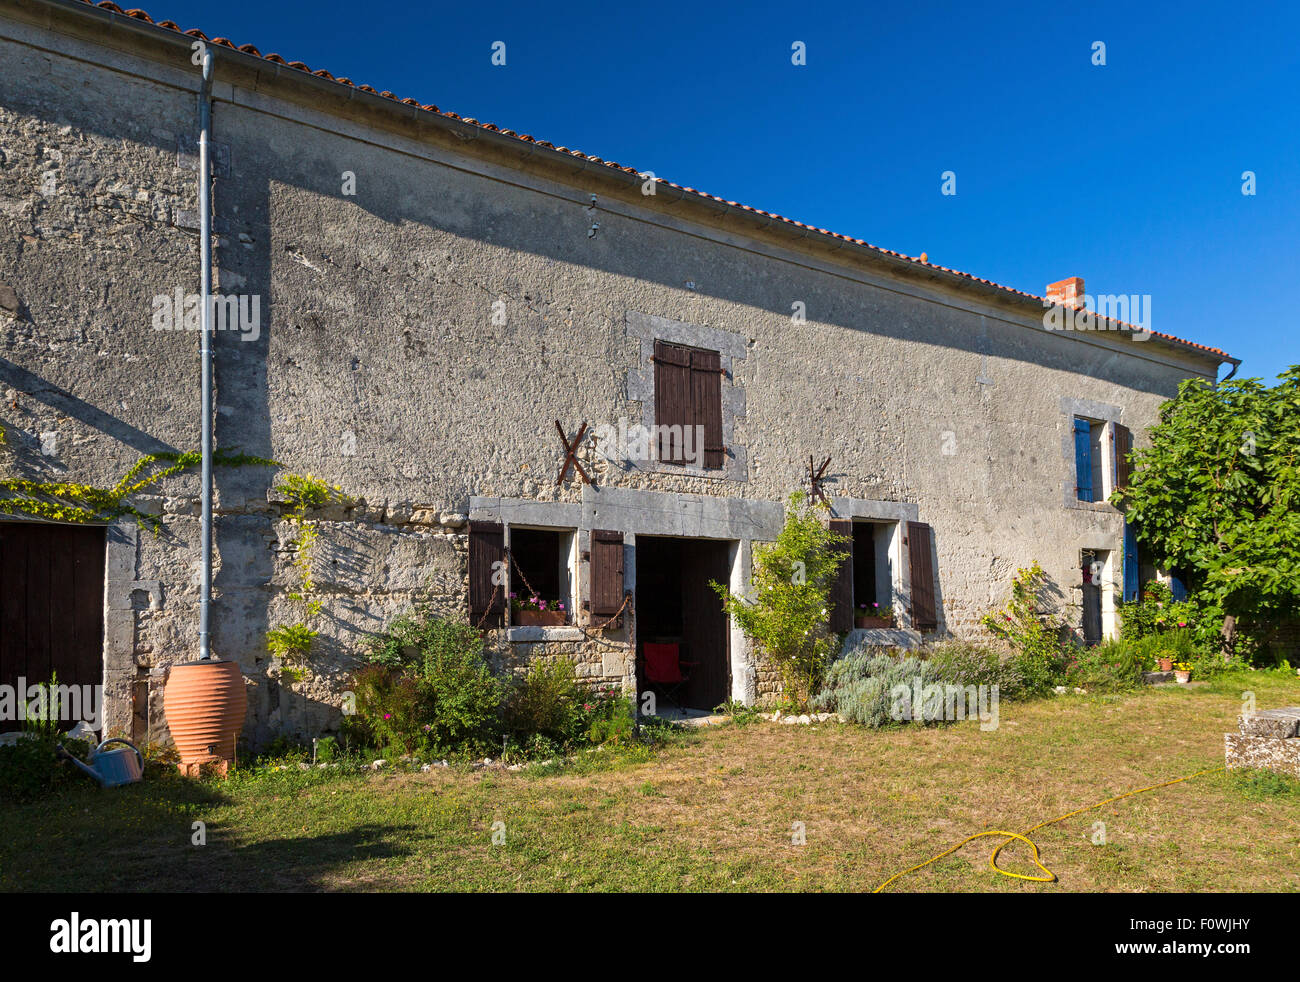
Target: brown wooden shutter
[[841, 615], [606, 575], [487, 601], [924, 617], [672, 397], [1123, 447], [706, 403]]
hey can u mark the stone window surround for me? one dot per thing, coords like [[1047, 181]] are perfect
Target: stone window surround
[[640, 387], [1111, 581], [1110, 416], [740, 521], [896, 513], [570, 562]]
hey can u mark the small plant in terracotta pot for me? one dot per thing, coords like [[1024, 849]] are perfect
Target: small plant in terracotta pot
[[536, 612], [1166, 664], [873, 616]]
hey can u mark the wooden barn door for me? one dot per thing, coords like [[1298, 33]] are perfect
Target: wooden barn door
[[51, 605]]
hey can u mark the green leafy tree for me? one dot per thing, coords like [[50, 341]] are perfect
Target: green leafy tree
[[786, 612], [1217, 494]]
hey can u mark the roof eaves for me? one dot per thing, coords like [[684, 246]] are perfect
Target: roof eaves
[[472, 129]]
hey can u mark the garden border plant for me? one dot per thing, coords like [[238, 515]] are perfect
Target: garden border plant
[[785, 613]]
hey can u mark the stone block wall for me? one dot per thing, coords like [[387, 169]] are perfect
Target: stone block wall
[[419, 338], [1268, 739]]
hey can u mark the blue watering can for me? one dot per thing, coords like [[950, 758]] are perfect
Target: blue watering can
[[111, 768]]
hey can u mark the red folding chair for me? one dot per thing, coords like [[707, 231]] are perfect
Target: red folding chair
[[665, 672]]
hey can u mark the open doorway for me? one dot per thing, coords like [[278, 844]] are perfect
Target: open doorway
[[676, 606], [1094, 569]]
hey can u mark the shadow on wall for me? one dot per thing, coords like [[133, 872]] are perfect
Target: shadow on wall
[[941, 630]]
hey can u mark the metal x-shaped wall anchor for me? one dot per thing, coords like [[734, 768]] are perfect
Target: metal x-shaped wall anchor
[[571, 453], [815, 477]]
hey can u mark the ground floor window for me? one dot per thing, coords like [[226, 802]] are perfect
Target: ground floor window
[[541, 573], [872, 571]]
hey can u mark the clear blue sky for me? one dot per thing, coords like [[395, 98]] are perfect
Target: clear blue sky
[[1128, 175]]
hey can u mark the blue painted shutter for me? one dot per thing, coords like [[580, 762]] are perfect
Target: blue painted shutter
[[1082, 460], [1176, 588], [1131, 585]]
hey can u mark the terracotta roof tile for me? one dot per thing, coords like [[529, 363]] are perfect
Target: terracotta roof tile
[[138, 14]]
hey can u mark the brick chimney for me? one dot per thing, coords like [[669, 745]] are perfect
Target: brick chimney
[[1067, 292]]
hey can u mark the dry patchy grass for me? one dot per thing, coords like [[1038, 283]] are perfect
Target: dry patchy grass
[[716, 811]]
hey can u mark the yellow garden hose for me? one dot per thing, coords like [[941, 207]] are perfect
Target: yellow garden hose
[[1009, 836]]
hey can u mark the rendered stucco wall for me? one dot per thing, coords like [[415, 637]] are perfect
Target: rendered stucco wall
[[419, 338]]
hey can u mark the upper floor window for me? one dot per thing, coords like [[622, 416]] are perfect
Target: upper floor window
[[688, 405], [1090, 471], [1101, 458]]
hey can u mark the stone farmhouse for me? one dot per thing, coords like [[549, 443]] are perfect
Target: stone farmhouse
[[425, 309]]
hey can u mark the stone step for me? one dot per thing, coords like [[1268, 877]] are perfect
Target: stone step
[[1280, 724], [1281, 755]]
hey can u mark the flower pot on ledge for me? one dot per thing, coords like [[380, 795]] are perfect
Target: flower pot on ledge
[[538, 618], [868, 623]]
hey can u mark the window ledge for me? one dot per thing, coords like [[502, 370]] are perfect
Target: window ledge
[[1101, 506], [533, 635], [892, 637]]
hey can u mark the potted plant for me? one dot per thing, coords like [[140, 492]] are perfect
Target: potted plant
[[536, 612], [1166, 664], [1183, 672], [873, 616]]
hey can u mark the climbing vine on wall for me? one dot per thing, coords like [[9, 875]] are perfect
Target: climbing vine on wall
[[291, 643], [65, 501]]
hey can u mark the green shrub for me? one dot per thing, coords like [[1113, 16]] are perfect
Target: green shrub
[[428, 688], [1034, 636], [547, 701], [1158, 615], [859, 686], [327, 749], [462, 696], [1114, 666], [786, 611], [608, 719], [388, 701], [29, 769], [969, 663]]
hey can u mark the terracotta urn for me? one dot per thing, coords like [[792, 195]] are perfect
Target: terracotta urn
[[205, 702]]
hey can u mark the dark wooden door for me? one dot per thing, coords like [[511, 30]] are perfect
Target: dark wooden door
[[51, 605], [705, 628], [1091, 598]]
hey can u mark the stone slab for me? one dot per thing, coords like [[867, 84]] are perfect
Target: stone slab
[[1280, 724], [1272, 753]]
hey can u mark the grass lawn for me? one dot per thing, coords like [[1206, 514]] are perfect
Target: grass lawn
[[714, 811]]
